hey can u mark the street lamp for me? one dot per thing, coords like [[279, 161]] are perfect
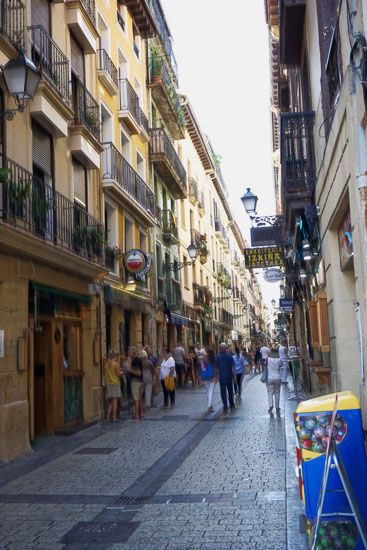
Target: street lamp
[[21, 78], [249, 201], [192, 251]]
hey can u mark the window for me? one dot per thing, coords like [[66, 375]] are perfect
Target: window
[[80, 184], [128, 235], [77, 60], [140, 165], [103, 32], [183, 214], [121, 20], [332, 70], [71, 347], [107, 125], [136, 42], [40, 14], [125, 146], [186, 272], [143, 241]]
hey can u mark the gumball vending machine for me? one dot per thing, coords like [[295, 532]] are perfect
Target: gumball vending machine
[[312, 421]]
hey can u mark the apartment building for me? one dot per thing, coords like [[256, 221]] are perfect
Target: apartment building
[[319, 116]]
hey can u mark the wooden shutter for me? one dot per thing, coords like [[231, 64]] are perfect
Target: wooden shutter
[[314, 324], [80, 183], [323, 323], [42, 149], [40, 14], [77, 59]]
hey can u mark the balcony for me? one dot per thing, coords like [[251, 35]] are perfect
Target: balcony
[[34, 209], [121, 179], [51, 105], [193, 191], [163, 87], [173, 295], [297, 160], [81, 19], [200, 242], [129, 110], [226, 318], [12, 25], [85, 127], [224, 276], [291, 24], [221, 233], [169, 227], [107, 72], [200, 296], [167, 163], [144, 126]]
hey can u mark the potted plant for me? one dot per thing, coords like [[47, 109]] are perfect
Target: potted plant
[[16, 193]]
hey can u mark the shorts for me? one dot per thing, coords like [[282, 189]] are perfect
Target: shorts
[[137, 387], [113, 390], [180, 368]]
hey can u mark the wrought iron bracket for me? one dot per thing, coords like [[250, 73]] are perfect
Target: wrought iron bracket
[[176, 266]]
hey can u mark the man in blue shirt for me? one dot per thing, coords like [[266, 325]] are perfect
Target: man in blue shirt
[[225, 371]]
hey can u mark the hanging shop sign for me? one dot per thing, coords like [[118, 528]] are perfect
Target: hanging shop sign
[[270, 256], [134, 261], [148, 265], [286, 304], [273, 275]]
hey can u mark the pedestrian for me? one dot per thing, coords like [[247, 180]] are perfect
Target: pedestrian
[[208, 375], [257, 360], [155, 390], [274, 380], [148, 379], [135, 372], [194, 356], [264, 351], [178, 355], [225, 371], [189, 370], [167, 377], [283, 355], [112, 375], [240, 364], [200, 349]]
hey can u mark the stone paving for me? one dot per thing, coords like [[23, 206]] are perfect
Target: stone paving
[[181, 479]]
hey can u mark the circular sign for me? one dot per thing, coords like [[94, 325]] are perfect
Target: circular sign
[[273, 275], [134, 261]]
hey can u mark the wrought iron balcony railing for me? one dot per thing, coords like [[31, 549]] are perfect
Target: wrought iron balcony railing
[[297, 153], [105, 63], [12, 21], [200, 298], [86, 109], [90, 8], [115, 167], [29, 204], [160, 144], [193, 189], [160, 73], [225, 317], [223, 275], [144, 122], [173, 294], [128, 99], [169, 226], [164, 33], [54, 65]]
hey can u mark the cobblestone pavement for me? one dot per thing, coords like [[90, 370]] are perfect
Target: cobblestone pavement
[[182, 478]]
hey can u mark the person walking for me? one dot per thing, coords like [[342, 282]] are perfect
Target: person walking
[[264, 351], [178, 355], [208, 376], [195, 361], [274, 380], [240, 364], [153, 359], [257, 360], [148, 379], [225, 371], [135, 372], [167, 377], [283, 355], [112, 375]]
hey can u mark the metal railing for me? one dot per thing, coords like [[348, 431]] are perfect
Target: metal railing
[[54, 65], [169, 225], [297, 151], [115, 167], [160, 144], [158, 214], [223, 274], [105, 63], [164, 33], [90, 8], [158, 71], [173, 294], [144, 122], [86, 109], [12, 21], [193, 189], [201, 201], [33, 206], [128, 99], [225, 317], [200, 298]]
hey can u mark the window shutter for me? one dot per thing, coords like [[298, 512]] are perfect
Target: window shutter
[[42, 149], [314, 324], [80, 183], [323, 323], [40, 14], [77, 59]]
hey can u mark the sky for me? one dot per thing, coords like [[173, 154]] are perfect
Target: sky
[[223, 64]]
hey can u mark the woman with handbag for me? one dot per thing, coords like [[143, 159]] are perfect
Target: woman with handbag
[[207, 375], [167, 377]]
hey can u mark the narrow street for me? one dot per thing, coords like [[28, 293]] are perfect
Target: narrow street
[[182, 478]]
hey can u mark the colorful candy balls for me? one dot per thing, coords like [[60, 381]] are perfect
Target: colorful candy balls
[[304, 433], [311, 423]]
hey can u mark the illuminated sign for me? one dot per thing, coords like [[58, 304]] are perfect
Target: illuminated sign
[[134, 261], [270, 256]]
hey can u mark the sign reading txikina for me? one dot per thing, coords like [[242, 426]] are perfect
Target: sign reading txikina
[[266, 256]]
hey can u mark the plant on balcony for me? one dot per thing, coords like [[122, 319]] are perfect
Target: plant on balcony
[[113, 251], [203, 249], [17, 193], [88, 238]]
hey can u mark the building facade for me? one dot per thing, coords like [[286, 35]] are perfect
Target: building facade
[[319, 122], [105, 181]]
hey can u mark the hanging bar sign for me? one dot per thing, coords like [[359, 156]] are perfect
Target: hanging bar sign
[[267, 256]]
